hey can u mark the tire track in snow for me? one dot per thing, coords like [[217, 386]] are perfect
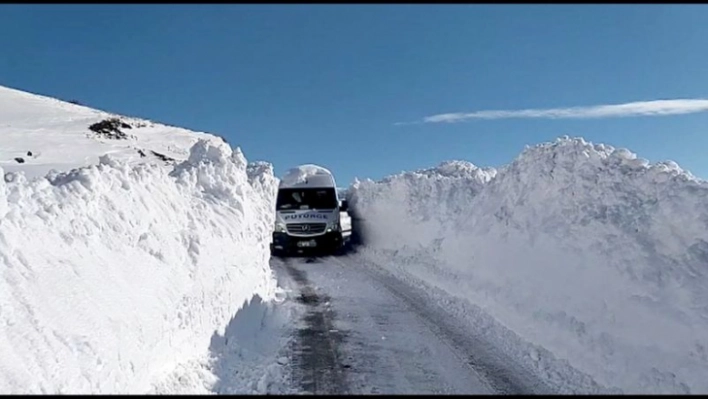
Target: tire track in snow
[[501, 374], [389, 347], [316, 349]]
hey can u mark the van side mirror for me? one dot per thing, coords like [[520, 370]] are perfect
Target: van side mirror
[[344, 206]]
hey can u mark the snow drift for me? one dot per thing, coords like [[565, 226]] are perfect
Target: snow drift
[[585, 250], [114, 274]]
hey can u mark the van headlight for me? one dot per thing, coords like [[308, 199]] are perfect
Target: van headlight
[[279, 227], [333, 226]]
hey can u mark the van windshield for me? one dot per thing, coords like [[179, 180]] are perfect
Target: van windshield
[[306, 198]]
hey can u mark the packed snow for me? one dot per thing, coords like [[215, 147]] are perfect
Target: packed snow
[[117, 275], [302, 174], [589, 254]]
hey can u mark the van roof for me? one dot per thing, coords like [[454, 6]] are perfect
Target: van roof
[[308, 175]]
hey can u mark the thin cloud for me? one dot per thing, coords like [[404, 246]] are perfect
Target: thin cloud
[[640, 108]]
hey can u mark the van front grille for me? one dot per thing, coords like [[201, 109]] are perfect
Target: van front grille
[[307, 228]]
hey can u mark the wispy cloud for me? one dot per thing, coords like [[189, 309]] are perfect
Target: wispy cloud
[[640, 108]]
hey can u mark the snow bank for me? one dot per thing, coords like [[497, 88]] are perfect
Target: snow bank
[[113, 275], [585, 250], [397, 199]]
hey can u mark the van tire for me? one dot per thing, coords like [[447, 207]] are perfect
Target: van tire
[[341, 249], [276, 253]]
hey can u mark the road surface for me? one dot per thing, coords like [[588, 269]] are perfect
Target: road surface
[[366, 332]]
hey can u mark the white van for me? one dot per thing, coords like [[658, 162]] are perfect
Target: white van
[[309, 215]]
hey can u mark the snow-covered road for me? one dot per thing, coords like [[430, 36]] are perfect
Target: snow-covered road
[[137, 260], [364, 331]]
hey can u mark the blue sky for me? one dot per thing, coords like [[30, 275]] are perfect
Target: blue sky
[[326, 84]]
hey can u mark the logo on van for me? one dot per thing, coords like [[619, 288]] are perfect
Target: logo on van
[[308, 216]]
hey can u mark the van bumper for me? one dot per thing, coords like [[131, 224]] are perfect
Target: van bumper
[[287, 244]]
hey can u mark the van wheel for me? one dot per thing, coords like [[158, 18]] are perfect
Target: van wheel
[[341, 249], [276, 253]]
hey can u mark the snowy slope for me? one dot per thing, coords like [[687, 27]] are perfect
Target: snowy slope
[[115, 275], [582, 249], [57, 135]]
